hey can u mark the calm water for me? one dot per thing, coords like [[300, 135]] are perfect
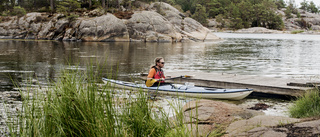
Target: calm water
[[272, 55]]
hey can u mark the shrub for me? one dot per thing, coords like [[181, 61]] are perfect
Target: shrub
[[72, 17], [307, 105], [68, 6], [296, 31], [18, 11]]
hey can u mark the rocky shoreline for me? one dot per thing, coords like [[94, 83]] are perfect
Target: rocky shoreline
[[212, 116], [158, 22], [237, 121]]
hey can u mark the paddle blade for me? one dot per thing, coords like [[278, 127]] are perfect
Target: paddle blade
[[150, 82]]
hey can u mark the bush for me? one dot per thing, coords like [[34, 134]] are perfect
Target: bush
[[296, 31], [18, 11], [72, 17], [68, 6], [307, 105]]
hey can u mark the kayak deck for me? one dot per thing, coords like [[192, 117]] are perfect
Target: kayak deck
[[186, 90]]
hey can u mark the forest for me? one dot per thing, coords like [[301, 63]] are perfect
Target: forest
[[234, 14]]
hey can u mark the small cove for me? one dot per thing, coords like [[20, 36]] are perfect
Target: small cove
[[271, 55]]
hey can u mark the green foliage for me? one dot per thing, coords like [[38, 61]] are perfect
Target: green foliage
[[312, 8], [200, 15], [307, 105], [72, 17], [68, 6], [304, 5], [186, 5], [219, 19], [280, 4], [18, 11], [296, 31], [288, 12], [298, 15]]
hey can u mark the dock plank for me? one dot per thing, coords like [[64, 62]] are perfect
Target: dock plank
[[257, 83]]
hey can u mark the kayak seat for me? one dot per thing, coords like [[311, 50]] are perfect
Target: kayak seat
[[213, 89], [183, 87]]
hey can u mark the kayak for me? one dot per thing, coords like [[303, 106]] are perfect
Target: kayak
[[185, 90]]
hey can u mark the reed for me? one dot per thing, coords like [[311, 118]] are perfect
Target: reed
[[76, 106], [307, 105]]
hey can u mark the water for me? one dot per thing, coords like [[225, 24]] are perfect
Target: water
[[271, 55]]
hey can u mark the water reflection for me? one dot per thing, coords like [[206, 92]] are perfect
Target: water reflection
[[292, 57]]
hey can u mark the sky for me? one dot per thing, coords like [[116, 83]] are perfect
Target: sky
[[317, 2]]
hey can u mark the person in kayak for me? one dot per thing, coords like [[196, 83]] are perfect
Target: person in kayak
[[156, 72]]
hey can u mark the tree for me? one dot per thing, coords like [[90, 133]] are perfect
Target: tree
[[214, 8], [52, 9], [187, 5], [219, 19], [68, 6], [200, 15], [280, 4], [103, 4], [304, 5], [235, 17], [312, 8], [21, 3], [246, 15]]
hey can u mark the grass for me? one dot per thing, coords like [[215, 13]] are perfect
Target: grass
[[307, 105], [296, 31], [76, 106]]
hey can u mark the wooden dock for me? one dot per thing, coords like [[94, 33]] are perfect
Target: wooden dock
[[280, 86]]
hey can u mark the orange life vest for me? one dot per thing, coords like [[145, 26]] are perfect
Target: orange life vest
[[159, 74]]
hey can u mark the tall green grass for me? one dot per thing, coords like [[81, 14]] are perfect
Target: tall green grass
[[307, 105], [76, 106]]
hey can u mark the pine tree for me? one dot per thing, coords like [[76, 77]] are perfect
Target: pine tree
[[200, 15], [304, 5], [312, 8]]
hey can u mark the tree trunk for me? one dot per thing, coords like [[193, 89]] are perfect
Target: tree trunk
[[13, 3], [20, 3], [103, 2], [90, 4], [52, 5]]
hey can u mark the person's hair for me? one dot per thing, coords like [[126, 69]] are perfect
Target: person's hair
[[156, 60]]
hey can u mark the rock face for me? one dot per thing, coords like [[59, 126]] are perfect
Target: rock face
[[274, 127], [246, 127], [187, 27], [151, 26], [103, 28], [310, 19], [216, 116], [159, 23], [259, 30], [211, 115]]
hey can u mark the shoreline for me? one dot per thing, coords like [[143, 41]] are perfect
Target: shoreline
[[261, 30]]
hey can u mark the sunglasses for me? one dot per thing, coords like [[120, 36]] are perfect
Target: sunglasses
[[161, 62]]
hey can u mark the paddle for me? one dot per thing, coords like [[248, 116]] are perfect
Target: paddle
[[150, 82]]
